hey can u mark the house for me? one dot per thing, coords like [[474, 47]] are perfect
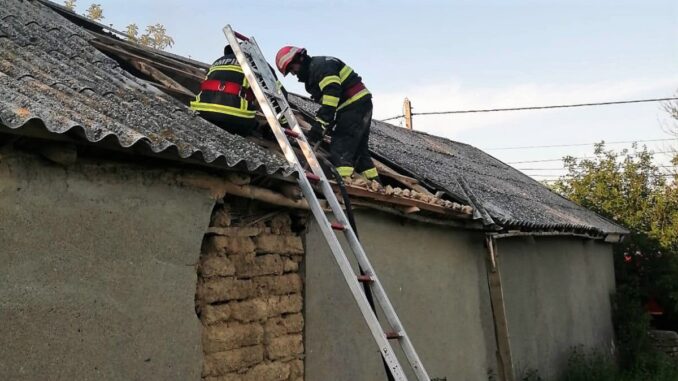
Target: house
[[141, 242]]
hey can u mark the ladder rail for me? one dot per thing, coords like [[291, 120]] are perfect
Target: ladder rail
[[376, 285], [316, 209], [356, 246], [254, 53]]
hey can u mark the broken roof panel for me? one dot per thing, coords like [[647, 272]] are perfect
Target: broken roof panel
[[51, 74], [511, 198]]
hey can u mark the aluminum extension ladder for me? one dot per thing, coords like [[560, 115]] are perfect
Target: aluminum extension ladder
[[270, 98]]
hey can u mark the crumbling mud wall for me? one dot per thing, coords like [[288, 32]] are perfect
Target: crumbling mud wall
[[249, 294]]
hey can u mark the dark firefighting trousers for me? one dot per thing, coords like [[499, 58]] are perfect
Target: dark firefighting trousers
[[349, 150]]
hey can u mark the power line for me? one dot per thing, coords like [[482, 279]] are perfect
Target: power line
[[536, 107], [558, 169], [581, 157], [559, 176], [581, 144]]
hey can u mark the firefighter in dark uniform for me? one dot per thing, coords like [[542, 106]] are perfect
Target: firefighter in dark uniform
[[225, 97], [346, 108]]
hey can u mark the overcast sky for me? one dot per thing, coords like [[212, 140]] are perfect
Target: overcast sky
[[457, 55]]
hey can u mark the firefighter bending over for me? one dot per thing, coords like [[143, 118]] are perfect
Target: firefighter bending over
[[345, 112], [225, 97]]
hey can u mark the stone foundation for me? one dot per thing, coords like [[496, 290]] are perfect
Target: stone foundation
[[249, 296]]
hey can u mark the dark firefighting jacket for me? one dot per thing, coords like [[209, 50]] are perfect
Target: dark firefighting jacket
[[225, 90], [335, 85]]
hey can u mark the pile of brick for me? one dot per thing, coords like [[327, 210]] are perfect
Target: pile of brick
[[249, 299], [428, 198], [407, 193]]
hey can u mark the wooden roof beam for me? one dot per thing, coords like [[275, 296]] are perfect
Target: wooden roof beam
[[364, 193], [125, 55], [385, 170], [161, 77]]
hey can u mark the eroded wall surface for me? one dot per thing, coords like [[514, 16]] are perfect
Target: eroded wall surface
[[250, 295]]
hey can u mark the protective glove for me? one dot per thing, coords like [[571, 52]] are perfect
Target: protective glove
[[317, 132]]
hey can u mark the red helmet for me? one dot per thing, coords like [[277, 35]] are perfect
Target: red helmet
[[285, 56]]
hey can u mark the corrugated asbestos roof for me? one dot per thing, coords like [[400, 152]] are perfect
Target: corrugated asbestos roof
[[50, 73], [510, 198]]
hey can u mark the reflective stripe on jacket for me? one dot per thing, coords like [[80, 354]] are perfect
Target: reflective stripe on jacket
[[225, 90], [335, 85]]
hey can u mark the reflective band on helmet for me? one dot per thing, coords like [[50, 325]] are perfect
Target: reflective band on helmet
[[221, 109], [345, 171], [329, 100], [344, 73], [235, 68], [354, 98], [283, 61], [371, 173], [329, 79]]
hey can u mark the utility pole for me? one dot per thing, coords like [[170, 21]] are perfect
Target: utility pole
[[407, 111]]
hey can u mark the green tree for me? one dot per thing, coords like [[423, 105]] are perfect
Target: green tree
[[627, 187], [665, 215], [672, 109], [156, 37], [70, 5], [95, 12], [132, 32]]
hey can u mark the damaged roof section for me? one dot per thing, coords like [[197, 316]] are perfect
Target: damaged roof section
[[142, 72], [50, 73], [499, 193]]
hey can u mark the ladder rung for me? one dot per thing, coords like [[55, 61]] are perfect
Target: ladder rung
[[240, 36], [273, 95], [291, 133], [312, 176], [265, 85], [282, 113], [338, 226]]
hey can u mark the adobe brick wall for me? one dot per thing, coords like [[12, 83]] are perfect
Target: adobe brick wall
[[249, 298]]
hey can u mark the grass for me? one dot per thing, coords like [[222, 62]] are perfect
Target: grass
[[596, 366]]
